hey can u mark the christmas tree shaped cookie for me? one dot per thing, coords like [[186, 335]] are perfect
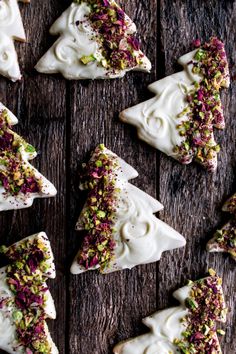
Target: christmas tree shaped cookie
[[25, 300], [187, 328], [120, 230], [20, 182], [224, 240], [96, 42], [180, 119], [11, 28]]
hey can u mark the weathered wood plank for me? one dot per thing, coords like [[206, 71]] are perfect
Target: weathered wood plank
[[39, 102], [106, 309], [193, 198], [65, 121]]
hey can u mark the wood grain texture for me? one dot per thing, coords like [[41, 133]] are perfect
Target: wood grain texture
[[192, 197], [101, 308], [66, 120]]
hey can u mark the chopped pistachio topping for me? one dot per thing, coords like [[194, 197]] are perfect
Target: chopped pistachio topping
[[120, 50], [205, 307], [87, 59], [26, 279], [16, 176], [226, 237], [204, 110], [230, 205], [98, 217]]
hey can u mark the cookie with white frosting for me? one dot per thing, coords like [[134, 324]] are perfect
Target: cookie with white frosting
[[224, 239], [20, 182], [187, 328], [25, 300], [179, 120], [117, 221], [11, 28], [96, 41]]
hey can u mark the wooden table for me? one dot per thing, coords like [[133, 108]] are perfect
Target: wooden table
[[66, 120]]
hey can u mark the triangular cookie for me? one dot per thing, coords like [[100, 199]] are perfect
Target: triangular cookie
[[20, 182], [120, 229], [96, 42]]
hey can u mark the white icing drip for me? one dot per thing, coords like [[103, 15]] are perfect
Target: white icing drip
[[12, 118], [77, 41], [214, 246], [7, 15], [156, 119], [160, 340], [8, 337], [9, 66], [21, 201], [140, 237], [165, 326], [10, 20], [11, 27]]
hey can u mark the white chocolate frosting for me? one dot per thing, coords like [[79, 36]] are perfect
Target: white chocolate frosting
[[156, 119], [214, 246], [9, 66], [20, 201], [140, 237], [10, 20], [160, 119], [220, 241], [77, 41], [11, 28], [8, 336], [165, 326]]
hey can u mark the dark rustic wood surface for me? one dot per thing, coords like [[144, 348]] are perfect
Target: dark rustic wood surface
[[66, 120]]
